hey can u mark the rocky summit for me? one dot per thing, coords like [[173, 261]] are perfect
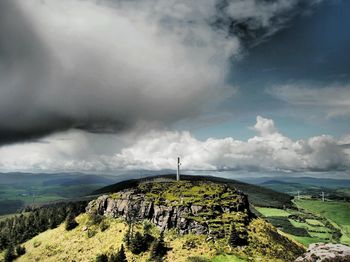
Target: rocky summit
[[160, 219], [322, 252], [198, 208]]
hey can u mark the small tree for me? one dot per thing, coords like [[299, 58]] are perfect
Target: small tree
[[70, 222], [103, 225], [147, 236], [120, 256], [158, 249], [127, 237], [137, 244], [147, 226], [101, 258], [9, 254], [20, 251]]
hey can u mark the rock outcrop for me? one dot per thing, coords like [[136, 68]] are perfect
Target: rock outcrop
[[186, 216], [321, 252]]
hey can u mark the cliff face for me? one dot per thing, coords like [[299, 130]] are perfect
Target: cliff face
[[199, 209]]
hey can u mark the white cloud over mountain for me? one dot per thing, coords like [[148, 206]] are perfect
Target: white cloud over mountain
[[269, 150]]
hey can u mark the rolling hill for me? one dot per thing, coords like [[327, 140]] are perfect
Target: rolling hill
[[257, 195], [195, 219]]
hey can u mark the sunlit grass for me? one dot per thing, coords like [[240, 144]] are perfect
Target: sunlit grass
[[272, 212]]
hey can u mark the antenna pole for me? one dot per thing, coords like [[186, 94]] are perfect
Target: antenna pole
[[178, 169]]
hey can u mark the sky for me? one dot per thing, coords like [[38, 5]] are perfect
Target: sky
[[249, 86]]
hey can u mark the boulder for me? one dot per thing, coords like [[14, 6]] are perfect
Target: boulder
[[321, 252]]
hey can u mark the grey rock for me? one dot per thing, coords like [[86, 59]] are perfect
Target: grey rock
[[321, 252], [133, 205]]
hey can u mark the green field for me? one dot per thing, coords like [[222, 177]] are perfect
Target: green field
[[321, 221], [306, 241], [272, 212], [338, 213]]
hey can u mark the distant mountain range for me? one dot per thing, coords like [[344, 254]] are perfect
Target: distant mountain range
[[321, 182]]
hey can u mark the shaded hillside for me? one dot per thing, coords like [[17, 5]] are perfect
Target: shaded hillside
[[81, 180], [20, 190], [257, 195], [303, 180]]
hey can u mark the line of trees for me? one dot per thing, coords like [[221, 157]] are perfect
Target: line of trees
[[13, 253], [20, 228], [137, 243]]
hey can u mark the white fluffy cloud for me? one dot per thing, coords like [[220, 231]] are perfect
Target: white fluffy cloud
[[156, 150]]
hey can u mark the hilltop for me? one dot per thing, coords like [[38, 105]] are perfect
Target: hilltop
[[190, 207], [196, 220], [258, 196]]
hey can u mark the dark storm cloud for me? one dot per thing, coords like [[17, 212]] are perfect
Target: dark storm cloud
[[22, 61], [106, 66]]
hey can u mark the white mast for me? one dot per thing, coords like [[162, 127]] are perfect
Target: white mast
[[178, 169]]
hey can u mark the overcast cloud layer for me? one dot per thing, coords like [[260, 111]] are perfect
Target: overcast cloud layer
[[105, 66], [269, 150]]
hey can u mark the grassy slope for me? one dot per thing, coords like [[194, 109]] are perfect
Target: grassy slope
[[336, 212], [61, 245]]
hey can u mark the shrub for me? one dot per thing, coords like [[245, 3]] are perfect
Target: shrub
[[70, 222], [158, 249], [103, 225], [147, 226], [119, 257], [101, 258], [20, 251], [90, 233], [95, 219], [36, 244], [137, 244], [9, 254]]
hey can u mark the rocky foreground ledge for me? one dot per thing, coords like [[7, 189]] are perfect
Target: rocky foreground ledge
[[321, 252]]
